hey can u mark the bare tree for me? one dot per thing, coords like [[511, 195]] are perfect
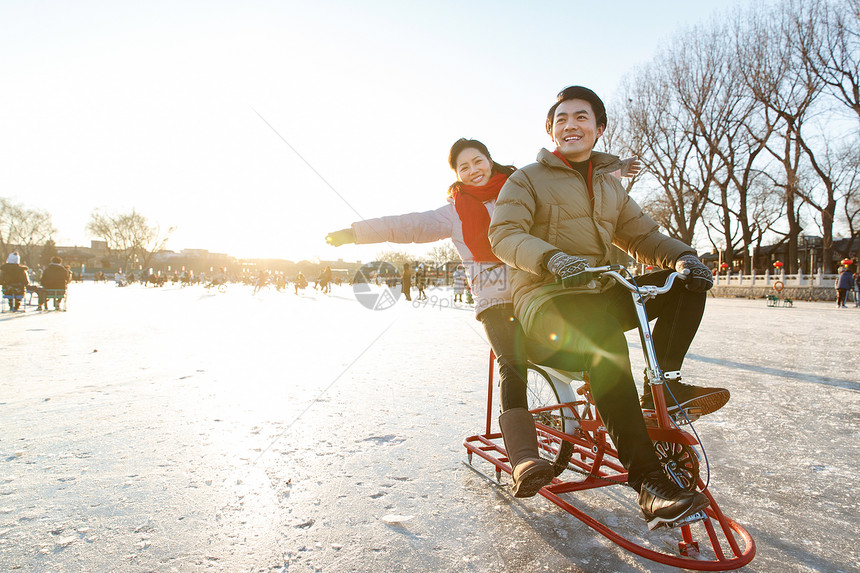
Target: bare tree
[[849, 185], [826, 41], [833, 54], [442, 253], [704, 81], [730, 132], [655, 129], [778, 80], [615, 142], [129, 236], [23, 229], [765, 208], [395, 258], [8, 225]]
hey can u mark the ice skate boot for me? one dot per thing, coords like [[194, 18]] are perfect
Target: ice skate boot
[[665, 504]]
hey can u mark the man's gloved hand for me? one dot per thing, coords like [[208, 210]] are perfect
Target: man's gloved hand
[[699, 277], [342, 237], [569, 269]]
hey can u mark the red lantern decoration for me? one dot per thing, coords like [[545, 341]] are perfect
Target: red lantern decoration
[[724, 266], [649, 268], [777, 265], [846, 262]]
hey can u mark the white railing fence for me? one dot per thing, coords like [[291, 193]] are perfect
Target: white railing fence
[[768, 279]]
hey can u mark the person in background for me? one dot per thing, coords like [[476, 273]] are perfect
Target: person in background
[[14, 280], [856, 289], [844, 283], [56, 277], [300, 282], [420, 281], [459, 283], [324, 280], [406, 282]]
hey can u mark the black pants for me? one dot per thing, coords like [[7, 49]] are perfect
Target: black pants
[[506, 338], [593, 326], [841, 296]]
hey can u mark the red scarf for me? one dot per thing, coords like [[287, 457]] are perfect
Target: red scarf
[[469, 202]]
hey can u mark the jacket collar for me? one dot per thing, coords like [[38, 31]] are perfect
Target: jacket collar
[[603, 162]]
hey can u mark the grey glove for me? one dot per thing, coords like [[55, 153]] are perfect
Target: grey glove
[[699, 277], [630, 167], [569, 269], [342, 237]]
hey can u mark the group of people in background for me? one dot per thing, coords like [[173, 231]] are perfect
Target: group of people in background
[[50, 282], [845, 283]]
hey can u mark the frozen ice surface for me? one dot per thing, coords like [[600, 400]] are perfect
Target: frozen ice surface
[[178, 430], [393, 518]]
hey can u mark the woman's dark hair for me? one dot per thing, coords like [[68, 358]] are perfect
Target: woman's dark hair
[[578, 92], [462, 144]]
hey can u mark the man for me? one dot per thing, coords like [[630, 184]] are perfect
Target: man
[[559, 216], [55, 277]]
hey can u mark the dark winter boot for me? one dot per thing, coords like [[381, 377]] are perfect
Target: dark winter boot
[[704, 399], [530, 471]]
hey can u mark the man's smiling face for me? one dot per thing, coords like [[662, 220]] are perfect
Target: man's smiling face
[[575, 129]]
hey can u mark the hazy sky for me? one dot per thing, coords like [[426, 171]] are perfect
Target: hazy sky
[[154, 105]]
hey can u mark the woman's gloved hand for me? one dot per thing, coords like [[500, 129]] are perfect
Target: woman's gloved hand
[[630, 167], [342, 237]]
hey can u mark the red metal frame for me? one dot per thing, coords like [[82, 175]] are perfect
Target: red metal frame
[[594, 455]]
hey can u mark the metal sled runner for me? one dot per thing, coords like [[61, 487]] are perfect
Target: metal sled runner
[[572, 436]]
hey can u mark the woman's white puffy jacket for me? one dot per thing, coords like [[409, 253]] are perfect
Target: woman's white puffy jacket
[[489, 281]]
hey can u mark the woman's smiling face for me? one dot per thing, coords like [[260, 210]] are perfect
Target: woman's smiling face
[[473, 167]]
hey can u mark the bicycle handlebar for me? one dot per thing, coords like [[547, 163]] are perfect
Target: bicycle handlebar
[[647, 291]]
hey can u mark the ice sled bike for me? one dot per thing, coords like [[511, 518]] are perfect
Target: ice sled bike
[[572, 436]]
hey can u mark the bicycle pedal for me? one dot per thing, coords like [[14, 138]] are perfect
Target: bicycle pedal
[[687, 520], [692, 414]]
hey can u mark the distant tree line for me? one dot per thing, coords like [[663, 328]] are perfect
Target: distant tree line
[[22, 229], [129, 236], [438, 256], [749, 128]]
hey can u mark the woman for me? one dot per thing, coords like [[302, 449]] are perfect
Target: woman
[[844, 283], [465, 219]]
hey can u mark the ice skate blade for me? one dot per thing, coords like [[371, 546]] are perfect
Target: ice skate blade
[[657, 522]]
